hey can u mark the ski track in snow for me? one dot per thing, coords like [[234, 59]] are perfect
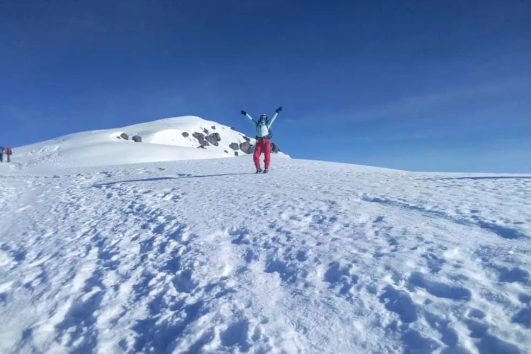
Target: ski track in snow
[[198, 256]]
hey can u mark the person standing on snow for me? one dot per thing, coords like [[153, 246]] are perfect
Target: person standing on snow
[[263, 138], [8, 152], [1, 154]]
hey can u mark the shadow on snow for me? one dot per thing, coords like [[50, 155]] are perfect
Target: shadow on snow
[[180, 176]]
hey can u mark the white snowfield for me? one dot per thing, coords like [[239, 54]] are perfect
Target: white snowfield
[[162, 140], [204, 256]]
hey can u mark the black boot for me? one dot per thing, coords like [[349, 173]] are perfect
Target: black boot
[[259, 170]]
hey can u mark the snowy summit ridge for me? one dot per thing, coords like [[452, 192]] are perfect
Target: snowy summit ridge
[[170, 139]]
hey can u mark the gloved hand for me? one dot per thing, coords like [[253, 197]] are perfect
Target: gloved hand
[[278, 109], [244, 113]]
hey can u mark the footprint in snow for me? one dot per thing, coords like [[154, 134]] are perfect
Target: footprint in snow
[[302, 255], [434, 263], [156, 334], [286, 271], [448, 335], [249, 256], [173, 264], [486, 343], [513, 275], [439, 289], [490, 344], [399, 302], [414, 342], [236, 335], [183, 281], [340, 277], [240, 236], [523, 317]]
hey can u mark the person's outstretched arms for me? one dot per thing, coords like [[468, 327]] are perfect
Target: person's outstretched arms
[[275, 115], [251, 119]]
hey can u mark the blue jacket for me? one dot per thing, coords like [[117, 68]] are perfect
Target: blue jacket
[[262, 129]]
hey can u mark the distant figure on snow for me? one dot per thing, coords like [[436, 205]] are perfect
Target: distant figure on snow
[[1, 154], [8, 153], [263, 138]]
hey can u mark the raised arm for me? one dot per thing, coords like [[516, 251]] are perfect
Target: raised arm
[[275, 115], [251, 119]]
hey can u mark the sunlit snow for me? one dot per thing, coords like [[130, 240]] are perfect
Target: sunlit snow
[[112, 246]]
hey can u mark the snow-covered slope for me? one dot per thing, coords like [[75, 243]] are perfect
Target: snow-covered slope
[[206, 257], [171, 139]]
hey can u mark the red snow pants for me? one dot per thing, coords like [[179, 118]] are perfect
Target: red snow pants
[[262, 145]]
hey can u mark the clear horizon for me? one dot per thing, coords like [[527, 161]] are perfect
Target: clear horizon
[[413, 86]]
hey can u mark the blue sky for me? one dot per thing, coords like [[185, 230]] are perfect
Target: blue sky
[[418, 85]]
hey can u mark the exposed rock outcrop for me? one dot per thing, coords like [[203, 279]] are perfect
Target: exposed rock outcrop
[[201, 139], [246, 147], [214, 139]]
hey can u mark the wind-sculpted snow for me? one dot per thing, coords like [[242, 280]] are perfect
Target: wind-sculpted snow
[[207, 257], [169, 139]]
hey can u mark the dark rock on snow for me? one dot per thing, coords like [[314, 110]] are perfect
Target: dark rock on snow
[[137, 139], [124, 136], [275, 148], [214, 138], [234, 146], [201, 138], [185, 134], [246, 147]]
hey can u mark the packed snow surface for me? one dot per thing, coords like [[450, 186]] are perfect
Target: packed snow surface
[[205, 256]]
